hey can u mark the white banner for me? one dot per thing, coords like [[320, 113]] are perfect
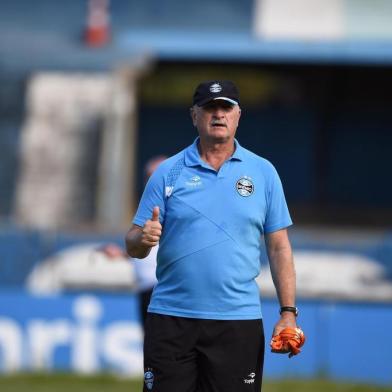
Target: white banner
[[299, 19]]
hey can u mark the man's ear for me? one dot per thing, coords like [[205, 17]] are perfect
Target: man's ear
[[239, 116], [192, 112]]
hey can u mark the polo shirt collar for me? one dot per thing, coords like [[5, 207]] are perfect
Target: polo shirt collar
[[192, 156]]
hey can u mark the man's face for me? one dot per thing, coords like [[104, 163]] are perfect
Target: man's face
[[217, 121]]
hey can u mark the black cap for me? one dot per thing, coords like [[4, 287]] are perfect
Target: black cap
[[216, 89]]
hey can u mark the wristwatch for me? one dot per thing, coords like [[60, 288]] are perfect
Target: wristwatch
[[292, 309]]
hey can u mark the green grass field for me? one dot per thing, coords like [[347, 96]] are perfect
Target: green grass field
[[70, 383]]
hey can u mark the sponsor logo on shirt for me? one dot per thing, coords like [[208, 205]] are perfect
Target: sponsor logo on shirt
[[245, 186], [168, 191], [194, 181]]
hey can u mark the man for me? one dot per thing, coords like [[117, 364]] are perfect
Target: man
[[208, 208]]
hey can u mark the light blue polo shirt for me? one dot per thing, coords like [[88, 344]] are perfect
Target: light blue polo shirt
[[213, 222]]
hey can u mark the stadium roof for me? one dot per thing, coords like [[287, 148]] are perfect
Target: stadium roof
[[47, 34]]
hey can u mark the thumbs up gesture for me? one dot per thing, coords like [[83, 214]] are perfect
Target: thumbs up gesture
[[152, 230]]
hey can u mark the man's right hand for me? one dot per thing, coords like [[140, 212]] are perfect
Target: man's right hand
[[152, 230]]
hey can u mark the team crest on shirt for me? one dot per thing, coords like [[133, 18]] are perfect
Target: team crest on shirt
[[245, 186], [149, 379]]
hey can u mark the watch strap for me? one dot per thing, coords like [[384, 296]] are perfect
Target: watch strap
[[292, 309]]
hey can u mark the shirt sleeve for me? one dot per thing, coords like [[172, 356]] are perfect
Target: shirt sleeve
[[153, 195], [277, 216]]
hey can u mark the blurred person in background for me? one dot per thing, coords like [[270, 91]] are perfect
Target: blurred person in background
[[145, 270], [208, 207]]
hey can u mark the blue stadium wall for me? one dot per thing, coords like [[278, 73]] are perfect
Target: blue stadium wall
[[90, 333], [346, 341]]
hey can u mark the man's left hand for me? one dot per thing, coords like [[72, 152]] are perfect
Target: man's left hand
[[287, 319], [289, 340]]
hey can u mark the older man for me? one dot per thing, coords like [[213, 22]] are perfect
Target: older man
[[208, 207]]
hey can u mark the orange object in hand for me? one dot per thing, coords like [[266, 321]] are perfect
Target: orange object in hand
[[289, 340]]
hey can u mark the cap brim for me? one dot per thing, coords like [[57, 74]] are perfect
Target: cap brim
[[208, 100]]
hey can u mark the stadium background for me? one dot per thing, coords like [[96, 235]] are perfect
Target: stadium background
[[89, 91]]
